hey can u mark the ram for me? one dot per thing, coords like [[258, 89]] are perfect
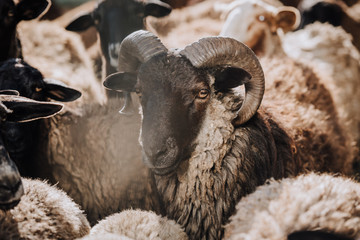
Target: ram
[[206, 143], [311, 206]]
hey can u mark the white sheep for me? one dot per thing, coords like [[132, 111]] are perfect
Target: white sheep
[[311, 202], [330, 50], [44, 212], [139, 225]]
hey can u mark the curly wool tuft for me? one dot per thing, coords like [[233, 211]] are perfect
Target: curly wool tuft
[[309, 202]]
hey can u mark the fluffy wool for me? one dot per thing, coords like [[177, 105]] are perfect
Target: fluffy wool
[[188, 24], [140, 225], [203, 192], [330, 49], [44, 212], [105, 236], [325, 49], [308, 202], [61, 55], [96, 158], [296, 96]]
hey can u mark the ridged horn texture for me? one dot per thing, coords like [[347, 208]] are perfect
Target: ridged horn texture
[[216, 51], [138, 47]]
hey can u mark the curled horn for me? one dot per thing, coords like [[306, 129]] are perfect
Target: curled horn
[[135, 49], [217, 51]]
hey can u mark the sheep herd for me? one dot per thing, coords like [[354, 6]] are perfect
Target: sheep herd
[[200, 120]]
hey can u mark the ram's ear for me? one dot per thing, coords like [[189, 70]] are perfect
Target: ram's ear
[[81, 23], [58, 91], [24, 109], [156, 8], [287, 18], [30, 9], [121, 81], [230, 77]]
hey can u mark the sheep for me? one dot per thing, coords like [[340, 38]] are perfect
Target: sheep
[[14, 109], [336, 13], [44, 212], [319, 204], [61, 55], [260, 23], [11, 14], [55, 149], [331, 51], [206, 145], [60, 48], [140, 225], [22, 139], [114, 20], [326, 49]]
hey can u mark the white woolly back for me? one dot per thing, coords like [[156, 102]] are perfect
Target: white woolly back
[[140, 225], [309, 202], [337, 60]]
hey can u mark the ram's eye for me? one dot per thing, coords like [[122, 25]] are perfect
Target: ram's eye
[[38, 89], [203, 93]]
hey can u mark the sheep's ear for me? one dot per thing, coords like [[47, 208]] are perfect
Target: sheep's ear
[[58, 91], [287, 18], [30, 9], [156, 8], [24, 109], [318, 235], [81, 23], [230, 77], [121, 81]]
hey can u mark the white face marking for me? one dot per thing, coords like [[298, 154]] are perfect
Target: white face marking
[[114, 54]]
